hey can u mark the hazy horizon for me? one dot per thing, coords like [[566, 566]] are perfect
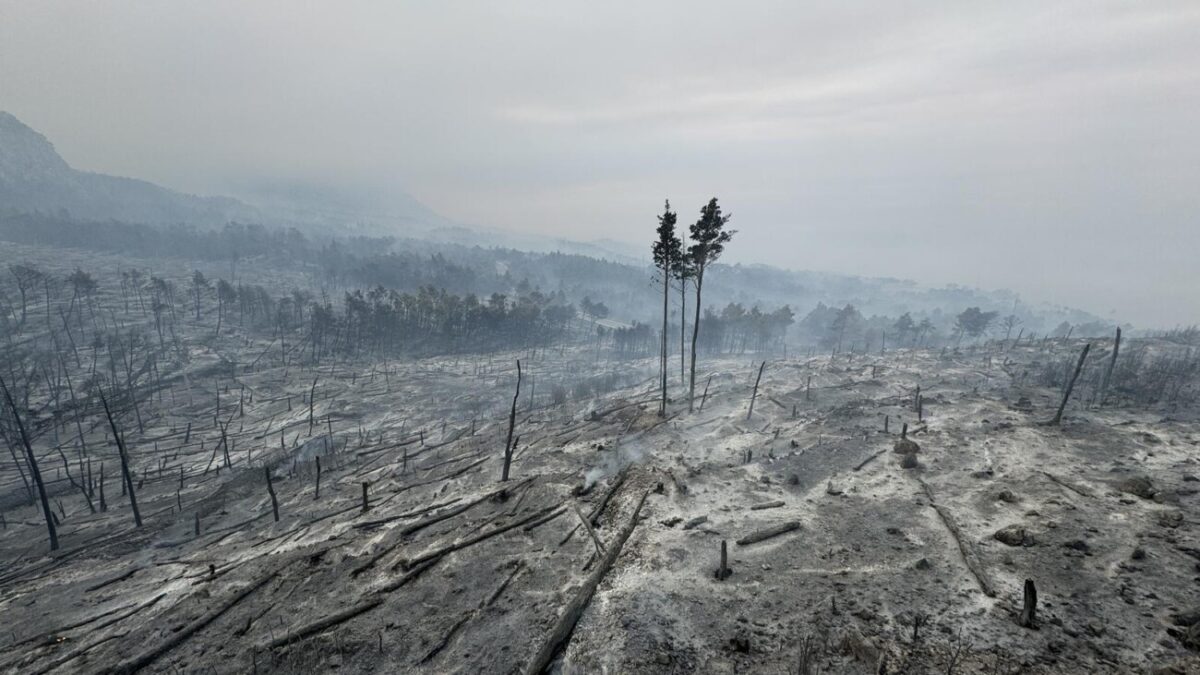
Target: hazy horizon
[[1048, 150]]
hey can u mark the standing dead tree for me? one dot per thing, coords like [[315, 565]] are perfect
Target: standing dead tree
[[137, 516], [33, 468], [20, 467], [512, 421], [755, 394], [312, 395], [271, 491], [1029, 608], [1070, 385], [1108, 373]]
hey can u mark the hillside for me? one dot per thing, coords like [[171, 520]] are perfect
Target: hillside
[[250, 454]]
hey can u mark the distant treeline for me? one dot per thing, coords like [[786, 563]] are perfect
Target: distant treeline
[[871, 307]]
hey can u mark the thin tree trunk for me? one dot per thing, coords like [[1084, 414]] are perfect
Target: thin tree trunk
[[662, 410], [1071, 385], [695, 337], [682, 330], [755, 394], [271, 491], [1111, 363], [512, 421], [33, 468], [20, 469], [137, 516]]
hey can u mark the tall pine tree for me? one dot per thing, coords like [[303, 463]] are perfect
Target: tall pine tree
[[668, 251], [708, 237]]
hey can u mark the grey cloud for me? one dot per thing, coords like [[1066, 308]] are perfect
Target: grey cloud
[[1046, 147]]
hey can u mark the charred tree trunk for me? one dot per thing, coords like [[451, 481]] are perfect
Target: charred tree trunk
[[33, 468], [1111, 363], [271, 491], [512, 421], [1071, 385], [20, 468], [662, 408], [128, 479], [1029, 611], [755, 394], [311, 401], [695, 337]]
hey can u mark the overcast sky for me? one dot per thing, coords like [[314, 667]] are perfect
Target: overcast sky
[[1048, 147]]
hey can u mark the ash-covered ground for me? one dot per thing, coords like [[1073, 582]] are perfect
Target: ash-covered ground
[[615, 515]]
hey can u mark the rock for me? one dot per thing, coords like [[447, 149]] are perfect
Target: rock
[[1170, 519], [1007, 496], [793, 479], [740, 644], [1078, 545], [1139, 553], [1023, 404], [1139, 486], [672, 522], [1014, 535], [923, 564], [909, 462], [1190, 636], [1189, 618], [906, 446], [698, 520]]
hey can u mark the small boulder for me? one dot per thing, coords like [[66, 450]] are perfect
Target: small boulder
[[1014, 535], [1187, 618], [1078, 545], [906, 446], [1139, 486], [1170, 519]]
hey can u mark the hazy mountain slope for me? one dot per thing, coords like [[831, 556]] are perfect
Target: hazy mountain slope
[[33, 177]]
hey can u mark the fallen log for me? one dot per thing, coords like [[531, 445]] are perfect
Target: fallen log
[[768, 533], [592, 533], [868, 460], [150, 655], [323, 623], [407, 576], [565, 625], [767, 505], [401, 516], [412, 528], [471, 541], [113, 580], [1083, 492], [594, 517], [968, 554]]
